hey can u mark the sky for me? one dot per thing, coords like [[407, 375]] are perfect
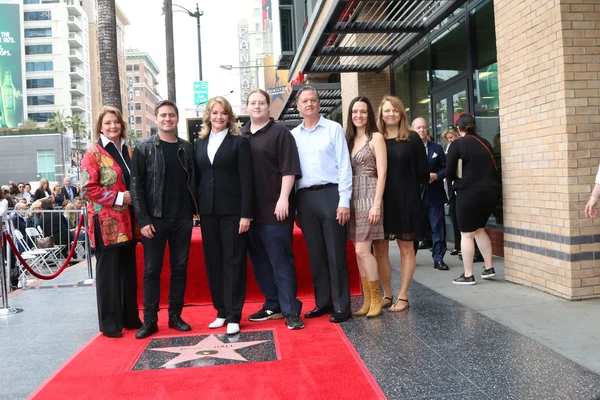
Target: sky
[[146, 33]]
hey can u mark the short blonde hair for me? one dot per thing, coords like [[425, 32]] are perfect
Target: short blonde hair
[[56, 187], [116, 113], [403, 127], [69, 214], [231, 125], [451, 131]]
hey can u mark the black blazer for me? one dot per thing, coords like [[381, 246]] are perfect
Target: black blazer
[[65, 193], [437, 164], [39, 194], [477, 165], [225, 187]]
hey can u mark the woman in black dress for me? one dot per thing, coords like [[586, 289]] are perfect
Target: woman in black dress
[[477, 190], [407, 171], [43, 191]]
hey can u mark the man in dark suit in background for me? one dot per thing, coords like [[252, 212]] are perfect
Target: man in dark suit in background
[[69, 192], [434, 195]]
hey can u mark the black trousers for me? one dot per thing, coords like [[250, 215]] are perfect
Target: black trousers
[[226, 267], [116, 287], [326, 242], [178, 233]]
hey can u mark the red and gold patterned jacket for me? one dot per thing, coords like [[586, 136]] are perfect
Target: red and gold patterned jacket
[[101, 181]]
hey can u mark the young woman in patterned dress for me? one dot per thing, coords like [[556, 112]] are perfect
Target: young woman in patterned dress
[[369, 166]]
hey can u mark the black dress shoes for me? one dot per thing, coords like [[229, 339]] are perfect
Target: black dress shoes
[[114, 335], [441, 266], [342, 316], [319, 312], [146, 330], [175, 322]]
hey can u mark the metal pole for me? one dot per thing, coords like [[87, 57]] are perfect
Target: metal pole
[[88, 250], [198, 14], [5, 310]]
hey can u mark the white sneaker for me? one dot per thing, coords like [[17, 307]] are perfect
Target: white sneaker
[[232, 328], [217, 323]]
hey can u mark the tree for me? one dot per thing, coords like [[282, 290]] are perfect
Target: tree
[[29, 123], [77, 125], [132, 139], [107, 49], [60, 123], [168, 11]]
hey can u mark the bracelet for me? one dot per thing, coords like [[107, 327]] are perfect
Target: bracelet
[[595, 198]]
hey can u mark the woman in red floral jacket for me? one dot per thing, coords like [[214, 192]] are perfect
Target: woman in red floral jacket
[[113, 227]]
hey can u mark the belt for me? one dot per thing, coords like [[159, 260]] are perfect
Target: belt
[[319, 187]]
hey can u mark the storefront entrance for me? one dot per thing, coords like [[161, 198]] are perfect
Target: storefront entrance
[[448, 103]]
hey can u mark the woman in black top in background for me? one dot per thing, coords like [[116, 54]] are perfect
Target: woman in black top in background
[[477, 191]]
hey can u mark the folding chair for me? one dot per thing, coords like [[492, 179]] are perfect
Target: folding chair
[[53, 252], [39, 255]]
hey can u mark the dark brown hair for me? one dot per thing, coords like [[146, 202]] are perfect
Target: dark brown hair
[[163, 103], [351, 129], [466, 123]]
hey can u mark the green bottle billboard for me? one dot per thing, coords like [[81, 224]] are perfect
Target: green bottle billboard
[[11, 70]]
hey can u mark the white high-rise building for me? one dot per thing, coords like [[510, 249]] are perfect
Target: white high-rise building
[[57, 60]]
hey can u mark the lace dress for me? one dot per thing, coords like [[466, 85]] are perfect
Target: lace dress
[[364, 183]]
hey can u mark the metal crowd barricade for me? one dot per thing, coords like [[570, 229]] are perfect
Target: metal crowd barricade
[[5, 310], [49, 236]]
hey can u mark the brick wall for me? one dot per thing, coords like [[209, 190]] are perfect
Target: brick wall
[[372, 85], [548, 64]]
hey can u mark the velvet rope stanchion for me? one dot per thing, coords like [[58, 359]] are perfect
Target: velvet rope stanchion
[[60, 270]]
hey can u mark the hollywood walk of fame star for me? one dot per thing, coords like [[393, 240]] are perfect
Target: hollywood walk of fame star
[[210, 346]]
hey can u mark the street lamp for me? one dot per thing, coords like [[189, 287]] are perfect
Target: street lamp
[[203, 103], [196, 15]]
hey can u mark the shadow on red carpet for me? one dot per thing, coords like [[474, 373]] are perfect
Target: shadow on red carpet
[[197, 286], [317, 362]]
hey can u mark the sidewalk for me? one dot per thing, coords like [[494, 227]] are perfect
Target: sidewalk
[[571, 328]]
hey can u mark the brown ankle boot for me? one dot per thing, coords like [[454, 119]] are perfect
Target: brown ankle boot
[[366, 297], [375, 308]]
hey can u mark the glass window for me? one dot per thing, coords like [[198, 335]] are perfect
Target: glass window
[[40, 100], [137, 93], [138, 106], [286, 16], [449, 53], [37, 16], [138, 120], [401, 87], [31, 2], [258, 43], [138, 132], [39, 66], [485, 84], [40, 117], [129, 68], [40, 83], [257, 12], [38, 49], [45, 164], [419, 79], [136, 67], [38, 32], [136, 79]]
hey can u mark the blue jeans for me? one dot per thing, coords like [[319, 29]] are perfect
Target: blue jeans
[[270, 250]]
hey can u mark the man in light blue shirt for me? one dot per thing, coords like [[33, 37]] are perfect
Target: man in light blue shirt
[[323, 204]]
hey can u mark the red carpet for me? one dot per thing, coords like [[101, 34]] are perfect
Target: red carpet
[[315, 363], [197, 285]]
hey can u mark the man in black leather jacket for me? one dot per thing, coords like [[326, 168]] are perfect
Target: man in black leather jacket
[[163, 193]]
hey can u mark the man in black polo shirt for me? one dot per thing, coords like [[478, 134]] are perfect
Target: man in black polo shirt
[[276, 166]]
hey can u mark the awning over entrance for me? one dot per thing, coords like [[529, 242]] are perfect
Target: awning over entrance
[[330, 99], [367, 35]]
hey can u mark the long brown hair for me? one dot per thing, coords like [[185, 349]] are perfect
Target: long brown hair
[[117, 113], [403, 126], [371, 124], [231, 125]]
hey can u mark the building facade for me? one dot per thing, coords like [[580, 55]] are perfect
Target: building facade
[[56, 59], [527, 70], [142, 72]]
